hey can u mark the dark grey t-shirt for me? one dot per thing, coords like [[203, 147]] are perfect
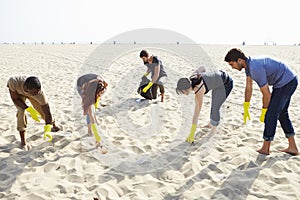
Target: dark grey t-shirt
[[151, 68], [212, 80], [85, 78]]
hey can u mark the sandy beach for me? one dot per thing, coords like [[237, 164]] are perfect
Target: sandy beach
[[147, 157]]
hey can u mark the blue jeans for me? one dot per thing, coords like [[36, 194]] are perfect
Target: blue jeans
[[278, 110]]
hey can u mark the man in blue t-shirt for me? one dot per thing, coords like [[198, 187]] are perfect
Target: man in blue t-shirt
[[267, 71]]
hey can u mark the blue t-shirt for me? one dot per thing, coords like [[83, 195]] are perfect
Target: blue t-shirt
[[269, 71]]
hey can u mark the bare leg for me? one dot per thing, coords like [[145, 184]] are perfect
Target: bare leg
[[95, 117], [292, 148], [89, 130], [162, 92], [207, 125], [23, 141], [24, 145], [265, 149], [162, 97], [213, 129]]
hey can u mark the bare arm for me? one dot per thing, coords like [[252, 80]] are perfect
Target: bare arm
[[266, 96], [248, 89], [156, 73], [16, 99], [48, 116], [91, 115], [198, 104]]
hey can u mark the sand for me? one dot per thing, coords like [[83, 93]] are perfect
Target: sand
[[147, 157]]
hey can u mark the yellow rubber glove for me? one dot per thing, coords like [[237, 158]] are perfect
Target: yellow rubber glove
[[190, 138], [47, 134], [147, 87], [147, 73], [33, 113], [246, 111], [97, 103], [96, 133], [263, 113]]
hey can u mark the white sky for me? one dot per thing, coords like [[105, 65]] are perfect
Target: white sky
[[209, 21]]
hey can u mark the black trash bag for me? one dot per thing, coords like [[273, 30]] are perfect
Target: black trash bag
[[144, 82]]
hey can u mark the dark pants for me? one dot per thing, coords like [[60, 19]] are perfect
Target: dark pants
[[278, 110], [155, 87]]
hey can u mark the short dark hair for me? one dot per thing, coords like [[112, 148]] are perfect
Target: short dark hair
[[183, 84], [234, 54], [32, 82], [144, 53]]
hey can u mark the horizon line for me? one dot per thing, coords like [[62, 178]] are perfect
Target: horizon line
[[146, 43]]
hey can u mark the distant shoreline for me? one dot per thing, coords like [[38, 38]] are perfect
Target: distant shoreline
[[138, 44]]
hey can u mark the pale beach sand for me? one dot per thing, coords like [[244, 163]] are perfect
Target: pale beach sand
[[147, 157]]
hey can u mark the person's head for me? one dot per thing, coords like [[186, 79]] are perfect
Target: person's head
[[236, 59], [32, 85], [101, 88], [144, 55], [184, 86], [92, 90]]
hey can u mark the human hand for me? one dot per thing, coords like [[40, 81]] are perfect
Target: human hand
[[246, 111], [147, 87], [47, 134], [146, 74], [100, 147], [33, 113], [97, 103], [96, 133], [263, 113], [190, 138]]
